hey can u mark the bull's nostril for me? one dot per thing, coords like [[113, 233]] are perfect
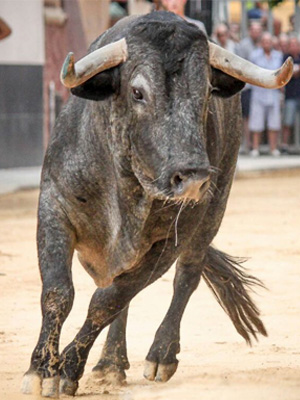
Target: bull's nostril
[[190, 183], [177, 180]]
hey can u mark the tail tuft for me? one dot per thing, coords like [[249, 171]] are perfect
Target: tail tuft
[[229, 282]]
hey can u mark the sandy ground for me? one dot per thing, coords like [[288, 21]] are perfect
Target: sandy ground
[[262, 222]]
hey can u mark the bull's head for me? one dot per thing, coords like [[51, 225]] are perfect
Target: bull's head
[[164, 82]]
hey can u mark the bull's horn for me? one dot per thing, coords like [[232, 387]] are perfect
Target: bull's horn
[[106, 57], [245, 71]]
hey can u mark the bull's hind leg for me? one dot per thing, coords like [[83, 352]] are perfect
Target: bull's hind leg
[[114, 361], [105, 307], [161, 362], [55, 248]]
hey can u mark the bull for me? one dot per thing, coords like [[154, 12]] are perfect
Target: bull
[[137, 176]]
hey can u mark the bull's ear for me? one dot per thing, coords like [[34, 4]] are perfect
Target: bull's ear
[[225, 85], [100, 87]]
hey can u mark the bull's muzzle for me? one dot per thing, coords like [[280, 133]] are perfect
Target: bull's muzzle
[[190, 184]]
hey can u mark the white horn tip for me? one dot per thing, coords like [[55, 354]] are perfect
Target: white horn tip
[[286, 72]]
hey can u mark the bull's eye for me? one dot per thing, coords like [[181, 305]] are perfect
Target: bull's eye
[[137, 94]]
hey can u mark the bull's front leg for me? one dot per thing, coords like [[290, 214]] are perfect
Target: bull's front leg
[[161, 362], [106, 305], [114, 361], [55, 249]]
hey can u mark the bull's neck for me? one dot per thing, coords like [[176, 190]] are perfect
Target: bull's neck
[[128, 199]]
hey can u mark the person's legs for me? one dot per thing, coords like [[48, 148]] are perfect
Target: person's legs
[[290, 109], [255, 142], [286, 134], [273, 142], [274, 126], [256, 124]]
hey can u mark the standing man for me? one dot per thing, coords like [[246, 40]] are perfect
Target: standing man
[[292, 94], [244, 49], [265, 103], [222, 38], [251, 42], [177, 7]]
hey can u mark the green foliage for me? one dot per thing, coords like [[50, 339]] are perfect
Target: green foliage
[[274, 3]]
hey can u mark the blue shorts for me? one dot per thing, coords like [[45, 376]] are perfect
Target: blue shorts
[[264, 116], [291, 107]]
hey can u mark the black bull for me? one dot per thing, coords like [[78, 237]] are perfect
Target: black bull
[[136, 177]]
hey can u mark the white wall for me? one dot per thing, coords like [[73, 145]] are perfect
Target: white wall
[[25, 45]]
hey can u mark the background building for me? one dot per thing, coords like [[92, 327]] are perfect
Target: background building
[[43, 32], [22, 58]]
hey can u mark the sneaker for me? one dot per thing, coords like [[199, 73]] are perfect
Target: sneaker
[[275, 153], [254, 153]]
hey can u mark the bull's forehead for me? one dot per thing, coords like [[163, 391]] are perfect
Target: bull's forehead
[[167, 42], [191, 78]]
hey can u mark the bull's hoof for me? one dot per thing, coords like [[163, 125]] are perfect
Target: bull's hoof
[[111, 375], [159, 372], [31, 383], [68, 387], [50, 387]]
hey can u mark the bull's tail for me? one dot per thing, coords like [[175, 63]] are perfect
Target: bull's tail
[[230, 284]]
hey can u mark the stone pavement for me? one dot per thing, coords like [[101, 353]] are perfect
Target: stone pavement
[[14, 179], [27, 178], [267, 163]]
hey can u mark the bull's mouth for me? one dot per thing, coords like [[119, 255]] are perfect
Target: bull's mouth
[[180, 190], [188, 183]]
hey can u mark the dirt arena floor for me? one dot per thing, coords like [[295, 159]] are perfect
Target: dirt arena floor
[[262, 222]]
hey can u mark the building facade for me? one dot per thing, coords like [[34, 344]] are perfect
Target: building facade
[[31, 94], [21, 84]]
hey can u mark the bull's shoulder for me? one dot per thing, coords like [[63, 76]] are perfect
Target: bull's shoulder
[[73, 159]]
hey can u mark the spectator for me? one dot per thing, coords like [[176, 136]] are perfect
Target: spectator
[[292, 24], [234, 32], [250, 43], [265, 103], [244, 49], [276, 43], [139, 7], [292, 94], [221, 36], [284, 43], [177, 7], [257, 11]]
